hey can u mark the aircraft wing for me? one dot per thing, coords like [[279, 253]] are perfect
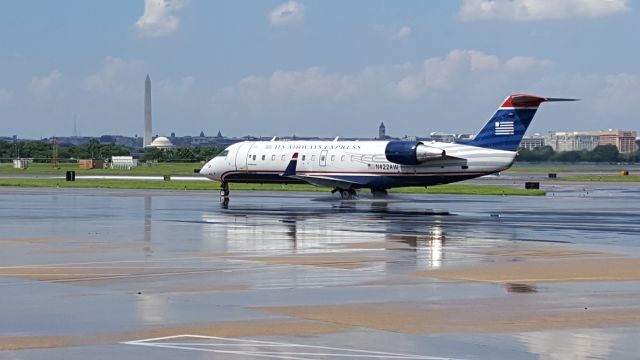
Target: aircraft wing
[[327, 181], [317, 180]]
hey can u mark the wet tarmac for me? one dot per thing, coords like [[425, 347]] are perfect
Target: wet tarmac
[[130, 274]]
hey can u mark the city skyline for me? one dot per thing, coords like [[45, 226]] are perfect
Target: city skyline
[[313, 68]]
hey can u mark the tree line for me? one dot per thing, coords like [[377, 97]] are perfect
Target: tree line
[[42, 151], [601, 153], [181, 154]]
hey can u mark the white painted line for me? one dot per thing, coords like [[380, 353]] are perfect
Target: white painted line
[[234, 346], [138, 177]]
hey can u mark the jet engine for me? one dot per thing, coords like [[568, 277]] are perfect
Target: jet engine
[[411, 152]]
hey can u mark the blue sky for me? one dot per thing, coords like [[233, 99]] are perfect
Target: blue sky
[[313, 67]]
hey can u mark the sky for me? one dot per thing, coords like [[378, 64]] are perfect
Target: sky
[[313, 68]]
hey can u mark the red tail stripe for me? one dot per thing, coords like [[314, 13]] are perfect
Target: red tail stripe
[[523, 100]]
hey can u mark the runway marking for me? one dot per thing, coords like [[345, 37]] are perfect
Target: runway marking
[[268, 349]]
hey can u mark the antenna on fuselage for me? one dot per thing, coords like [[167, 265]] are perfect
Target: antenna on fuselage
[[274, 138], [336, 139]]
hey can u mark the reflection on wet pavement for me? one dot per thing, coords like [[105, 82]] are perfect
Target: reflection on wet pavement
[[437, 275]]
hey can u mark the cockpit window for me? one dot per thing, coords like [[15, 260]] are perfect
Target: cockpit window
[[223, 154]]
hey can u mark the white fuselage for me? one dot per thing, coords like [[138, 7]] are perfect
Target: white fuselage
[[362, 164]]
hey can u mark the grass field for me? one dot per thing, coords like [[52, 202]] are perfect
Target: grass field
[[467, 189], [602, 178], [183, 169], [568, 168]]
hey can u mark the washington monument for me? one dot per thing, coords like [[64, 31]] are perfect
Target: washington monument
[[147, 112]]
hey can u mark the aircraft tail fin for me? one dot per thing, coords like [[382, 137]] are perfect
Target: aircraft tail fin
[[505, 129]]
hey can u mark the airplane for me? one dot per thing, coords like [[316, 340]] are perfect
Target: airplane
[[379, 165]]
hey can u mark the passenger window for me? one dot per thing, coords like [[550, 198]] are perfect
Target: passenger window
[[342, 158], [333, 158], [273, 158], [284, 157], [303, 156], [254, 157], [263, 157], [313, 158]]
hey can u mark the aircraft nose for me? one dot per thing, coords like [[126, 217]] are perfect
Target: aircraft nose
[[207, 169], [210, 170]]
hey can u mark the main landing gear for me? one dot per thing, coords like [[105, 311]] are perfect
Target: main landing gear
[[379, 193], [346, 194]]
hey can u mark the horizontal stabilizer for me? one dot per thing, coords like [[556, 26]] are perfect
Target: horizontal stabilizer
[[560, 99]]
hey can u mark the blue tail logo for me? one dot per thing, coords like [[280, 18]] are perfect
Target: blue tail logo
[[507, 126]]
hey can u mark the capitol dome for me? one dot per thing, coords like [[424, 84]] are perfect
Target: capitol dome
[[161, 142]]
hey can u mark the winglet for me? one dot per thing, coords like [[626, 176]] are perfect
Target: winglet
[[291, 168]]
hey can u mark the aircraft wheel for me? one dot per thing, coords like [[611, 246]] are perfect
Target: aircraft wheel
[[379, 193], [224, 192], [345, 194], [353, 194]]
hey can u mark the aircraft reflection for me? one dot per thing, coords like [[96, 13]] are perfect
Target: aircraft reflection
[[241, 228], [577, 344], [152, 309], [147, 224]]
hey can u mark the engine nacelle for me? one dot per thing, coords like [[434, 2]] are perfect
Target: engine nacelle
[[411, 152]]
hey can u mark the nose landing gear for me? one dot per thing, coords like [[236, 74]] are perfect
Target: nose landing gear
[[224, 190]]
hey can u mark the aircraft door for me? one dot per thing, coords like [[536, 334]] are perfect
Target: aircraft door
[[241, 155], [323, 158]]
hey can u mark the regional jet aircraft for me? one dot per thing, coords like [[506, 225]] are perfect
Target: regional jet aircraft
[[346, 166]]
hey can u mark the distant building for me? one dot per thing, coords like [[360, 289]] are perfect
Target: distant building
[[624, 140], [532, 142], [466, 137], [572, 140], [126, 141], [161, 142], [75, 140], [123, 162], [382, 131], [443, 137]]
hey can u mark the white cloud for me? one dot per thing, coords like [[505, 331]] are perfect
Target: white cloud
[[158, 18], [525, 10], [6, 96], [520, 63], [458, 68], [311, 83], [406, 94], [393, 32], [176, 92], [44, 83], [465, 68], [115, 75], [289, 13], [619, 93]]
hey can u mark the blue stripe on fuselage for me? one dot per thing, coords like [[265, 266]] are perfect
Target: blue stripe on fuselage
[[358, 181]]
